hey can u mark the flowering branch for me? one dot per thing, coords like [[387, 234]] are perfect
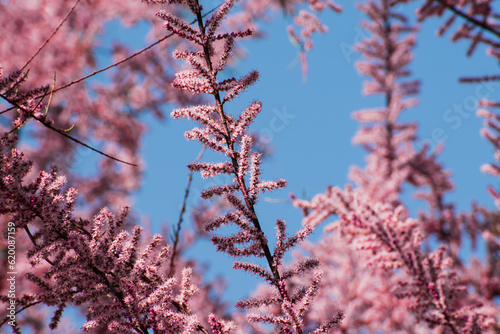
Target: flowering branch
[[371, 216], [388, 141], [479, 14], [227, 135], [394, 241], [93, 263]]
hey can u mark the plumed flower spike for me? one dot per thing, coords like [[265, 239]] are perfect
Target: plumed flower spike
[[219, 326], [228, 135], [179, 27], [491, 132], [94, 263], [387, 53], [394, 242], [213, 23]]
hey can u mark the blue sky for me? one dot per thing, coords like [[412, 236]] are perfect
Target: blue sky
[[313, 126]]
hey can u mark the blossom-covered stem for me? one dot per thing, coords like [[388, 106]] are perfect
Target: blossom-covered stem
[[118, 294], [33, 241], [386, 56], [394, 241], [228, 135], [393, 159], [64, 236], [234, 161], [102, 267], [104, 278]]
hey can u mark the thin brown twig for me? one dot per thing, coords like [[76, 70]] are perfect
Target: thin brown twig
[[241, 181], [86, 77], [52, 35], [177, 228], [127, 58], [106, 68], [32, 239], [39, 104], [19, 311], [63, 133], [115, 64], [480, 79], [230, 144], [469, 18]]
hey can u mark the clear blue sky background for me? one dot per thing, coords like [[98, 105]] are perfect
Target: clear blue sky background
[[314, 149]]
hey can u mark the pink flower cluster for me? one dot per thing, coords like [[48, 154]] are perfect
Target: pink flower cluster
[[374, 269], [92, 262], [226, 134]]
